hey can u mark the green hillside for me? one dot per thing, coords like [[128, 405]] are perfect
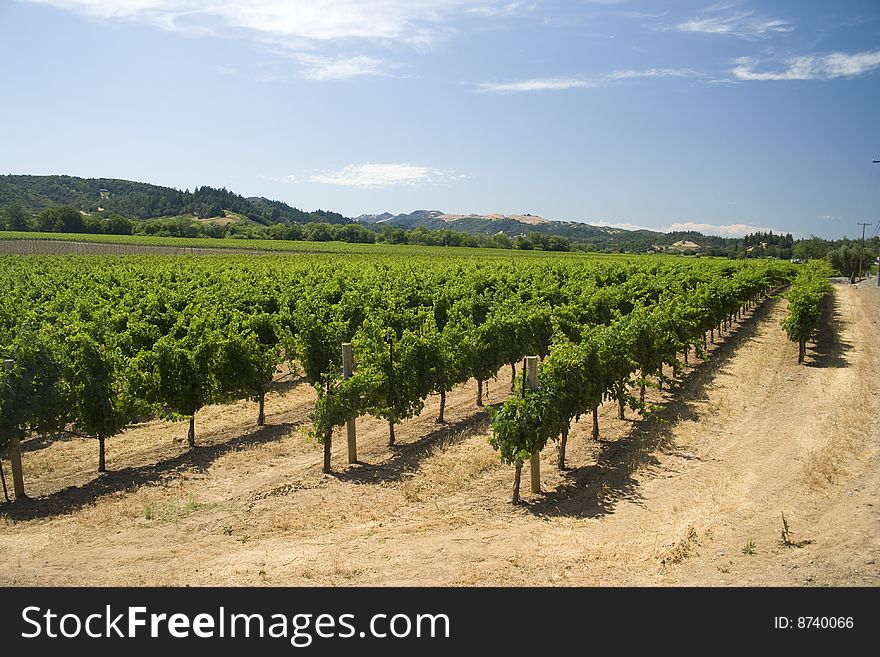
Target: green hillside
[[145, 201]]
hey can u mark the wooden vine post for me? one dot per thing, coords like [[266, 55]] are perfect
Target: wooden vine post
[[347, 369], [535, 462]]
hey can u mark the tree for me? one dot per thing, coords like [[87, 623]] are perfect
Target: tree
[[117, 225], [14, 217], [813, 248], [845, 259], [61, 219], [319, 232], [393, 235]]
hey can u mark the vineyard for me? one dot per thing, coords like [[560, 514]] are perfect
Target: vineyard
[[158, 370], [93, 345]]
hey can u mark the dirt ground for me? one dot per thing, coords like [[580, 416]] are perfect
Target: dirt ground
[[694, 498]]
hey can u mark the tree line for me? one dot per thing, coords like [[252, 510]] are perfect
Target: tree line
[[67, 219]]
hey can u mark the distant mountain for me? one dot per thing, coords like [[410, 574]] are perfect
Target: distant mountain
[[435, 219], [146, 201], [111, 197], [486, 224], [602, 237], [490, 224]]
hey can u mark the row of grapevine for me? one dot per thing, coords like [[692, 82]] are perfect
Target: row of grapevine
[[98, 343], [603, 362], [809, 289]]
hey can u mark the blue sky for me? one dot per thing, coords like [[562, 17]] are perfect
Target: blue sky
[[719, 117]]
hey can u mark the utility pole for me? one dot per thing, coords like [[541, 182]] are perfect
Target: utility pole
[[861, 247], [878, 259]]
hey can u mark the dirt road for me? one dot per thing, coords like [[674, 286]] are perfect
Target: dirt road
[[696, 499]]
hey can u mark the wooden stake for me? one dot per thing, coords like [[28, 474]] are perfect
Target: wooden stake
[[347, 369], [15, 461], [535, 462], [3, 478]]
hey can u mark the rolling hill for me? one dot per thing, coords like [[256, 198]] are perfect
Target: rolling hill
[[112, 197], [146, 201], [602, 237]]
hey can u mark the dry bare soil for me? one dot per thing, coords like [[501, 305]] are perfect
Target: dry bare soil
[[696, 498]]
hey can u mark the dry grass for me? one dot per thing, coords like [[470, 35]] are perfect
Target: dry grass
[[174, 509], [453, 464], [682, 548], [824, 466]]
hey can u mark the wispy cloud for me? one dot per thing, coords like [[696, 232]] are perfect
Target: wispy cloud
[[535, 84], [373, 175], [653, 73], [321, 69], [560, 83], [304, 26], [303, 19], [811, 67], [501, 9], [730, 22]]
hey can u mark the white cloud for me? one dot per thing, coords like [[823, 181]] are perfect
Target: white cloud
[[536, 84], [653, 73], [743, 24], [580, 82], [295, 19], [371, 175], [306, 29], [622, 225], [320, 68], [501, 9], [812, 67], [724, 230]]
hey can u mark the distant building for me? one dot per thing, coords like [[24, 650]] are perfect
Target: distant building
[[105, 193]]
